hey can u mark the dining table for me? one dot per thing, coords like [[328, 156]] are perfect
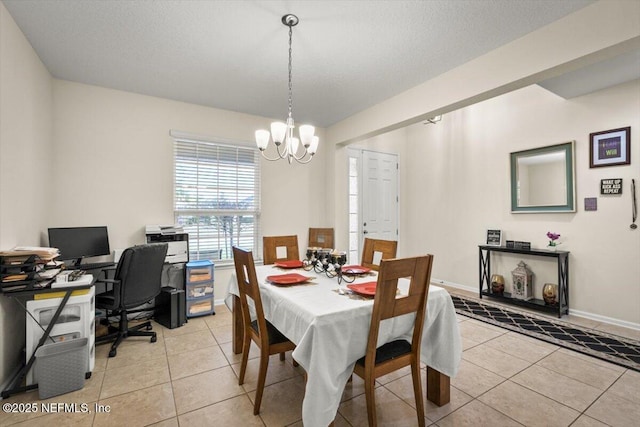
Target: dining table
[[329, 325]]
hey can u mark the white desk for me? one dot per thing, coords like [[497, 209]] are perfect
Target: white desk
[[331, 330]]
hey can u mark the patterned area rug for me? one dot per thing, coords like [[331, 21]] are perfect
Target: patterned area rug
[[612, 348]]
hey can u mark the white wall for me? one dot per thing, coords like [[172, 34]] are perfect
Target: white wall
[[25, 167], [115, 146], [455, 185]]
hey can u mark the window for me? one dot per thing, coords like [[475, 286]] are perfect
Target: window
[[217, 197]]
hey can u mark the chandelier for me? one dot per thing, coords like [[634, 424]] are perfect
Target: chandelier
[[287, 146]]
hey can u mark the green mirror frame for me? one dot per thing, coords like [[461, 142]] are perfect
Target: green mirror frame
[[568, 203]]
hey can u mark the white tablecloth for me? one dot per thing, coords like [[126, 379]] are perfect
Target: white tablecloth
[[331, 330]]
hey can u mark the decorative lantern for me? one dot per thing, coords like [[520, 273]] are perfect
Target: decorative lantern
[[522, 282]]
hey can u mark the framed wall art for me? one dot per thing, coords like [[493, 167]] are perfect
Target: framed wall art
[[610, 148], [494, 237]]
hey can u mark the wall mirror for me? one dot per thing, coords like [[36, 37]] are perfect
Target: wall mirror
[[542, 179]]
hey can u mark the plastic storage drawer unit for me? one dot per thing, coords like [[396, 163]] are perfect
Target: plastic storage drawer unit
[[199, 288], [199, 271], [199, 306]]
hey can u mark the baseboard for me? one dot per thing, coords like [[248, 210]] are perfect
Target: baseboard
[[572, 311], [473, 289], [605, 319]]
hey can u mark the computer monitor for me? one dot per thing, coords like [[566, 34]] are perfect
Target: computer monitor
[[75, 243]]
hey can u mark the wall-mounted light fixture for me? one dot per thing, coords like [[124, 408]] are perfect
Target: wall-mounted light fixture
[[433, 120]]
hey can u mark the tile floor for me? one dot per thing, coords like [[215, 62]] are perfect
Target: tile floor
[[189, 378]]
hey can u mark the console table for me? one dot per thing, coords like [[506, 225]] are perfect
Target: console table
[[560, 307]]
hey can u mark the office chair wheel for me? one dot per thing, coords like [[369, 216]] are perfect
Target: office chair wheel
[[149, 327], [154, 338], [113, 352]]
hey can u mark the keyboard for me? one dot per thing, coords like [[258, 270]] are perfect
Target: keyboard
[[93, 266]]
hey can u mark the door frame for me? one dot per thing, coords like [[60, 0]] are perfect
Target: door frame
[[358, 154]]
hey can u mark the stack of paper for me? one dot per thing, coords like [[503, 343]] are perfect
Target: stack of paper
[[44, 253]]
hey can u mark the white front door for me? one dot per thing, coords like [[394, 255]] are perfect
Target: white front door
[[373, 198]]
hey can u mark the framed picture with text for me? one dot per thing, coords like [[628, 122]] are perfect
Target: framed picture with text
[[494, 237], [610, 148]]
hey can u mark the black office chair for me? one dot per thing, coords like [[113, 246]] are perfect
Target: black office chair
[[137, 280]]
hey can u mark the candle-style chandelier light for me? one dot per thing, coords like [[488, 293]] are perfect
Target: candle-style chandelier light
[[288, 146], [329, 262]]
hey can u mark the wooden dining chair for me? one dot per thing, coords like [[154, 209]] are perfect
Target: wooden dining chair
[[387, 248], [379, 361], [270, 245], [321, 238], [269, 339]]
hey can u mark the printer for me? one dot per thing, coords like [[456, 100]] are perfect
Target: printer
[[175, 237]]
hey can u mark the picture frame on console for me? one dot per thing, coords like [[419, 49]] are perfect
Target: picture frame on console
[[610, 148], [494, 237]]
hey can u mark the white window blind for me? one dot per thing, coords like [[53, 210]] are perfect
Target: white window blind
[[217, 197]]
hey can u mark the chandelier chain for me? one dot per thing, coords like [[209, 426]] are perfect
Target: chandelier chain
[[286, 145], [290, 68]]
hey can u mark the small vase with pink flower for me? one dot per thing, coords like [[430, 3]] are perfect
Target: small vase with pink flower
[[553, 241]]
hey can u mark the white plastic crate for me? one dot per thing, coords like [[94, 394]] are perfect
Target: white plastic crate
[[61, 367]]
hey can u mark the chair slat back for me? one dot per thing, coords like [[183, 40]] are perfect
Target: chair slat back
[[270, 245], [248, 288], [386, 304], [387, 248], [321, 238]]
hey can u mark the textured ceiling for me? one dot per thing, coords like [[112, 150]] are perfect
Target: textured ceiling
[[347, 55]]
